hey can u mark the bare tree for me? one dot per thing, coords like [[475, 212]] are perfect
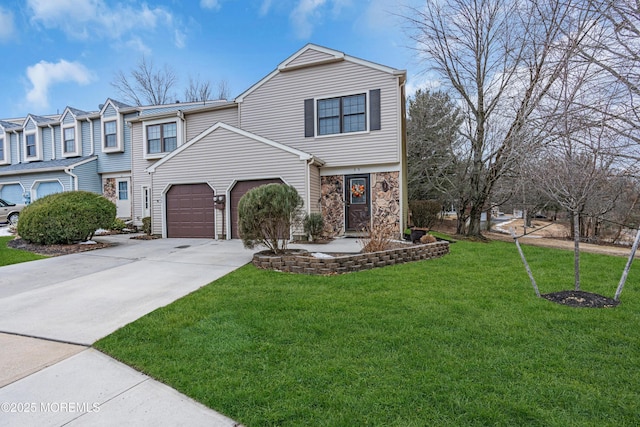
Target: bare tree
[[146, 84], [197, 90], [500, 57], [223, 89]]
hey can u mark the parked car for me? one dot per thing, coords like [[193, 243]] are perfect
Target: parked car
[[10, 212]]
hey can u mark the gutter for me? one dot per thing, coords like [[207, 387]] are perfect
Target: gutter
[[53, 142]]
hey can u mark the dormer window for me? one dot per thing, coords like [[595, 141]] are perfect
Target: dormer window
[[69, 143], [111, 120]]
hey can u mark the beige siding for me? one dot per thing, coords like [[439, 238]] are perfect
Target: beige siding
[[199, 122], [222, 158], [275, 110], [309, 57]]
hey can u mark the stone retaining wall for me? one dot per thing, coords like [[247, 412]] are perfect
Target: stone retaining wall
[[304, 263]]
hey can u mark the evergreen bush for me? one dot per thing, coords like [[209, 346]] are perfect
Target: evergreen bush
[[314, 225], [266, 214], [64, 218]]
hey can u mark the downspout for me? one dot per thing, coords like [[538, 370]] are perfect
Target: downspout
[[91, 138], [53, 142], [180, 115], [74, 178], [404, 191]]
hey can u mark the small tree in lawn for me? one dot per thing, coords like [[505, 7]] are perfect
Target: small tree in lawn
[[265, 216]]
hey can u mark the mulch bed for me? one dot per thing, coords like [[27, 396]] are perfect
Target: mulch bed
[[581, 299], [55, 250]]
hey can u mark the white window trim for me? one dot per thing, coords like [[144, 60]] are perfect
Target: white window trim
[[78, 144], [179, 136], [342, 95], [6, 160], [38, 140], [33, 191], [119, 148]]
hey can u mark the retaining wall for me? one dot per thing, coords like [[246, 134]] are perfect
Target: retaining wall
[[303, 262]]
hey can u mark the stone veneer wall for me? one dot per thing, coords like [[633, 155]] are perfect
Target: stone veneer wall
[[109, 189], [306, 264], [385, 204], [332, 202]]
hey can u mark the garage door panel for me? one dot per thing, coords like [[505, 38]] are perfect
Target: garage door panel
[[239, 190], [190, 211], [48, 187], [12, 193]]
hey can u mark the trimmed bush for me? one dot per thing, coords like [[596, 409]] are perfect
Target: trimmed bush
[[313, 225], [64, 218], [424, 213], [146, 225], [265, 216]]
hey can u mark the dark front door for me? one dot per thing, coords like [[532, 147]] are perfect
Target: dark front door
[[357, 200]]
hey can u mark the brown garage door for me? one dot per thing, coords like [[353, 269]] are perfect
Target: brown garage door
[[190, 211], [237, 192]]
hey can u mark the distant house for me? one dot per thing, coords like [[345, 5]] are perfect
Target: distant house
[[329, 124]]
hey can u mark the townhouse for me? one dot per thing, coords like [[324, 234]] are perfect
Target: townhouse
[[329, 124]]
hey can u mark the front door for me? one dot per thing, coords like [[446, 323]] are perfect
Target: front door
[[123, 200], [358, 212]]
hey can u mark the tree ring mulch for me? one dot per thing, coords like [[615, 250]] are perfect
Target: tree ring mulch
[[581, 299]]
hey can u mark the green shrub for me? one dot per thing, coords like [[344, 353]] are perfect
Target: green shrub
[[118, 225], [64, 218], [146, 225], [424, 213], [313, 225], [265, 216]]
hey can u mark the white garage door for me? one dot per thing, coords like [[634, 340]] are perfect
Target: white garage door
[[48, 187], [12, 193]]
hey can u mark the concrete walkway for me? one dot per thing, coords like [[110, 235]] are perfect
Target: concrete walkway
[[52, 310]]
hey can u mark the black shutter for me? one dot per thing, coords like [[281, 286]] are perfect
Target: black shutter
[[309, 123], [374, 109]]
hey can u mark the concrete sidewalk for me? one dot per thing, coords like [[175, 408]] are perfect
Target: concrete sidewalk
[[52, 310]]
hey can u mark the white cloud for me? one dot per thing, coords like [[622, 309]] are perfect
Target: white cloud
[[45, 74], [302, 15], [94, 18], [265, 7], [7, 27], [136, 43], [210, 4], [180, 39]]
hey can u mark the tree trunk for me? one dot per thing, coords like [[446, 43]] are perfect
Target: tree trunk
[[474, 222], [576, 249]]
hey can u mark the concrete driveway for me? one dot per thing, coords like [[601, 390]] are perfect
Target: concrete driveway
[[51, 311]]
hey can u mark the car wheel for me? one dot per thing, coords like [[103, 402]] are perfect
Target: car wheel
[[13, 218]]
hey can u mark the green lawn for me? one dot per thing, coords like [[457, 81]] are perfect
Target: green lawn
[[460, 340], [14, 256]]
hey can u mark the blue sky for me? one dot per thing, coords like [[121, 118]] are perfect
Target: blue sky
[[58, 53]]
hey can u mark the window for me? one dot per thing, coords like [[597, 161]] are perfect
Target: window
[[110, 135], [69, 140], [2, 150], [32, 149], [123, 190], [162, 138], [342, 115]]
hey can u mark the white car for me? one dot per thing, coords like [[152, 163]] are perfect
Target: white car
[[10, 212]]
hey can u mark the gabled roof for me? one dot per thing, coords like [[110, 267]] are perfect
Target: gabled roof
[[9, 125], [48, 166], [76, 112], [220, 125], [116, 104], [40, 120], [321, 56]]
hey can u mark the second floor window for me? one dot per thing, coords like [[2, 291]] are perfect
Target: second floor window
[[162, 138], [342, 115], [31, 145], [69, 140], [110, 135], [1, 149]]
